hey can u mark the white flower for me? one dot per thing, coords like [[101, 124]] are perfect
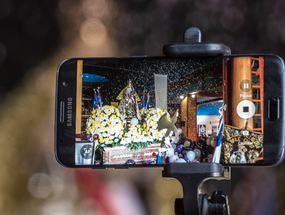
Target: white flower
[[96, 121], [124, 141]]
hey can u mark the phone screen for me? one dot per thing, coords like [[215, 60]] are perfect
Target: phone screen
[[157, 110]]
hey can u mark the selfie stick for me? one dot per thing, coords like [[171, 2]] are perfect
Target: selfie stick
[[192, 175]]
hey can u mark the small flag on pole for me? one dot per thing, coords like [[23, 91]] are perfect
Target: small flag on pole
[[218, 148], [99, 98], [143, 102], [94, 101], [148, 102]]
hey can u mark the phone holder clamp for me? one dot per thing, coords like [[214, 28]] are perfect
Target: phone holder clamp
[[192, 175], [192, 46]]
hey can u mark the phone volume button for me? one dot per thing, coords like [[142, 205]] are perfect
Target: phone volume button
[[273, 105], [61, 112]]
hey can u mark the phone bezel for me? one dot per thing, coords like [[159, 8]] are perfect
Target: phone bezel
[[65, 135]]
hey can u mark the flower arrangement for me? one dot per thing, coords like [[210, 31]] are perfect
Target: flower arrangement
[[136, 137], [152, 117], [107, 122], [145, 133]]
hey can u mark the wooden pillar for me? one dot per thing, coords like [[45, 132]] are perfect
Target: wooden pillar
[[241, 91], [189, 117], [79, 96], [192, 117], [184, 116]]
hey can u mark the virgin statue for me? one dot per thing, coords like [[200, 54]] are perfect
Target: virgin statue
[[129, 102]]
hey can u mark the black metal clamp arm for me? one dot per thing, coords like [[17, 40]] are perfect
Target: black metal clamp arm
[[191, 176]]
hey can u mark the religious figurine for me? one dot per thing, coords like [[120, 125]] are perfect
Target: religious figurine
[[129, 100]]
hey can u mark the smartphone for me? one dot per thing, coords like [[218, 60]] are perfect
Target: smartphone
[[149, 111]]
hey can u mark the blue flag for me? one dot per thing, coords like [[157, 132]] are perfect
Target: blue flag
[[143, 103], [99, 98], [218, 148], [94, 101], [148, 102]]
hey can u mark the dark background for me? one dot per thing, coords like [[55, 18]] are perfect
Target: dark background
[[30, 30], [33, 31]]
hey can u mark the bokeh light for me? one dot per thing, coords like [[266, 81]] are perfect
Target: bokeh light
[[40, 185], [93, 32]]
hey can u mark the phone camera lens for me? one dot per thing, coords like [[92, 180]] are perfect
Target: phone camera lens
[[65, 84]]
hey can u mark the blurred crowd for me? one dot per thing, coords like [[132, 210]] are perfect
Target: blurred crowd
[[37, 35]]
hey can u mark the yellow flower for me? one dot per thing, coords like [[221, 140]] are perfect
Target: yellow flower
[[99, 111], [101, 140], [111, 142], [108, 113]]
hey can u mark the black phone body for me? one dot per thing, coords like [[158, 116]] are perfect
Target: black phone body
[[148, 111]]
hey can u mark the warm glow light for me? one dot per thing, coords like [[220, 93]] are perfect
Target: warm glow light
[[40, 185], [193, 95], [182, 97], [93, 32], [95, 8]]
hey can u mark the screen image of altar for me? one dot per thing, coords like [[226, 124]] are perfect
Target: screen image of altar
[[125, 122]]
